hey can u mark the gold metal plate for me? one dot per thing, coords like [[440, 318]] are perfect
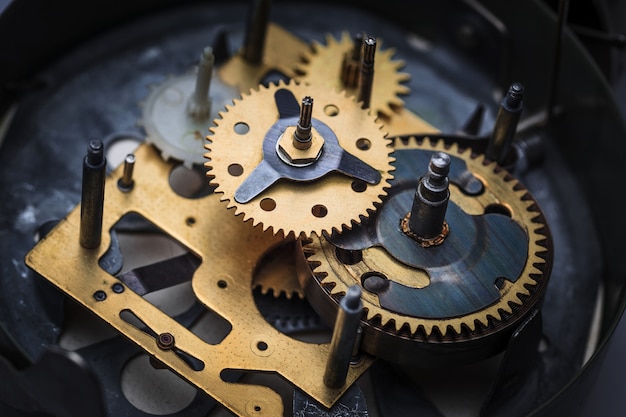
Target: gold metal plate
[[230, 250]]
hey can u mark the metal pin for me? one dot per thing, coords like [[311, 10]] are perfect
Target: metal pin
[[366, 79], [351, 65], [92, 200], [344, 338], [199, 104], [500, 143], [302, 136], [431, 199], [254, 41], [126, 183]]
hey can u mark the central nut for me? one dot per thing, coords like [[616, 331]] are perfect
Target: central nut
[[292, 155]]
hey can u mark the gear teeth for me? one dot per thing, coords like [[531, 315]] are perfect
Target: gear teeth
[[322, 62], [288, 293], [515, 295], [218, 164]]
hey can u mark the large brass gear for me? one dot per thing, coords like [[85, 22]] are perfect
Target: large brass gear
[[309, 199], [433, 341], [321, 66]]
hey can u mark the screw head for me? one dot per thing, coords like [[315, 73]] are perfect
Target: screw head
[[165, 341]]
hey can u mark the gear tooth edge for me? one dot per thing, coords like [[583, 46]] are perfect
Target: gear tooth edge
[[223, 198], [315, 46], [483, 320], [281, 232], [369, 314], [429, 329], [454, 147], [396, 102], [471, 326], [335, 290], [409, 140], [440, 143], [413, 327], [312, 261], [403, 77], [505, 309], [517, 300], [537, 270], [453, 329]]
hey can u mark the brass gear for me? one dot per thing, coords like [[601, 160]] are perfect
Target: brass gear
[[413, 339], [308, 199], [321, 66], [277, 273]]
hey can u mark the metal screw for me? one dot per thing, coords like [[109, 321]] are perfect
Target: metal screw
[[126, 183], [165, 341]]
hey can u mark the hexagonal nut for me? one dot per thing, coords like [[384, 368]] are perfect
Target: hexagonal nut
[[292, 155]]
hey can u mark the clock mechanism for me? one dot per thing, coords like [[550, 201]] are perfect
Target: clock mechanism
[[310, 209]]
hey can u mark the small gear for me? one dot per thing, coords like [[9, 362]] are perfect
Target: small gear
[[176, 119], [256, 162], [322, 66], [277, 273], [464, 296]]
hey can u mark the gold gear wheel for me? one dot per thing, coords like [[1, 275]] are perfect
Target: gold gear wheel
[[277, 272], [386, 333], [321, 67], [295, 207]]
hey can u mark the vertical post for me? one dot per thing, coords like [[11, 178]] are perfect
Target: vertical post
[[92, 200], [254, 41], [345, 335]]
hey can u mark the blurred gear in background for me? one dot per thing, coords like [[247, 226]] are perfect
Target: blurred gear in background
[[438, 183]]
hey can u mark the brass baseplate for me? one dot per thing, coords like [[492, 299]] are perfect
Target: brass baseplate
[[230, 250]]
